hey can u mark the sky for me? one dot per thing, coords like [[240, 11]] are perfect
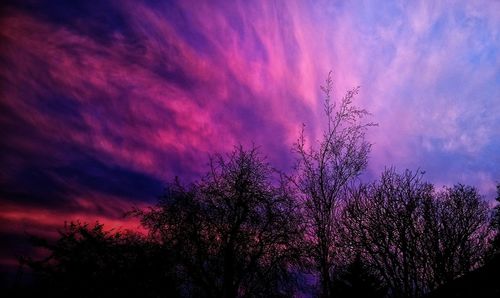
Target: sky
[[103, 102]]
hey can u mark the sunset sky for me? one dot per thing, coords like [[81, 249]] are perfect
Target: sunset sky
[[103, 102]]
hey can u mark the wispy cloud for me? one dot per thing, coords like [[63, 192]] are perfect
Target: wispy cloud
[[111, 100]]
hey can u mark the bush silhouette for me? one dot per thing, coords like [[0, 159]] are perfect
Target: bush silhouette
[[88, 261]]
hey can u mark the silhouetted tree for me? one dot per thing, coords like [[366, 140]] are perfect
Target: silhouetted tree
[[88, 261], [455, 233], [325, 170], [357, 280], [234, 233], [417, 238], [481, 283], [496, 222]]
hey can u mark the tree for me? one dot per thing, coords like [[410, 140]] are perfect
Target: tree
[[417, 238], [496, 222], [455, 233], [357, 280], [234, 233], [324, 173], [88, 261]]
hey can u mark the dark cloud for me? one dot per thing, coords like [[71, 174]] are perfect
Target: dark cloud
[[99, 20], [102, 102]]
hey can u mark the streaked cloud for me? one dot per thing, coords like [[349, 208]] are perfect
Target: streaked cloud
[[102, 103]]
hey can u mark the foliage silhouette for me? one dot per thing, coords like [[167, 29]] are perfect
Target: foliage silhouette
[[88, 261], [357, 280], [496, 223], [480, 283]]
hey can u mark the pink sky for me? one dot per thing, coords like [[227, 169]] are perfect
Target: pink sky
[[104, 103]]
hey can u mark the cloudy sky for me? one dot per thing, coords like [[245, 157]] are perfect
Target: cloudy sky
[[102, 102]]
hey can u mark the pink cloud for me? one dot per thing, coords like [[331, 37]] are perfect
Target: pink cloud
[[190, 79]]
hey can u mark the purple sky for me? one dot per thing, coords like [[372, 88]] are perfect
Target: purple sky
[[102, 102]]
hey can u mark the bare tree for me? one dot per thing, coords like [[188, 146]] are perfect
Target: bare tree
[[234, 232], [455, 233], [325, 170], [417, 238], [379, 221]]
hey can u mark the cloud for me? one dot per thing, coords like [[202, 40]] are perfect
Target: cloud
[[104, 102], [430, 77]]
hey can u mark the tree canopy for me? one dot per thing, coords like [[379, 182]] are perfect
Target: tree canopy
[[244, 229]]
